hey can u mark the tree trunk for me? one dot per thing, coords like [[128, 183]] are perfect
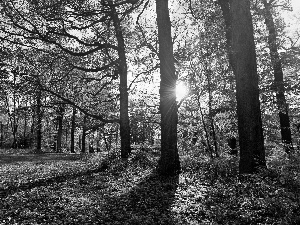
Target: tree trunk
[[39, 125], [83, 134], [285, 128], [91, 146], [31, 140], [60, 116], [15, 128], [208, 147], [169, 163], [79, 142], [242, 58], [15, 120], [213, 132], [214, 137], [72, 148], [98, 146], [1, 133], [25, 140], [66, 136], [122, 69], [12, 118]]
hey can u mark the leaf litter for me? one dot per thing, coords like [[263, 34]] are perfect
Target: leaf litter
[[130, 192]]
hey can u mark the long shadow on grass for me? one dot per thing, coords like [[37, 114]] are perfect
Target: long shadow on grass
[[147, 203], [50, 180], [16, 158]]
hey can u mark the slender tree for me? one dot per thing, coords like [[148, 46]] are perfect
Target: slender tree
[[282, 105], [60, 116], [2, 134], [84, 130], [39, 122], [242, 56], [211, 119], [122, 69], [169, 163], [73, 126]]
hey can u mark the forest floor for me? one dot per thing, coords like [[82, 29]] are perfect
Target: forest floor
[[100, 189]]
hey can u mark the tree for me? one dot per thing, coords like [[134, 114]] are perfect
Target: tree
[[242, 56], [279, 88], [60, 115], [169, 163], [84, 131], [73, 126], [122, 69], [52, 24], [39, 118]]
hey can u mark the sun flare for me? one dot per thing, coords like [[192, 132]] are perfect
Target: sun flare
[[181, 91]]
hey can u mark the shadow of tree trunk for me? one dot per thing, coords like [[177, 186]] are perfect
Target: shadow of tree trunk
[[147, 203], [11, 189]]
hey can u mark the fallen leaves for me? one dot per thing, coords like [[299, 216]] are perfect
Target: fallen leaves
[[130, 192]]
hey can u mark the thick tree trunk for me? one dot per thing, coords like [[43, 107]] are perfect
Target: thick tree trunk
[[122, 69], [39, 116], [285, 128], [72, 148], [60, 116], [169, 163], [242, 58]]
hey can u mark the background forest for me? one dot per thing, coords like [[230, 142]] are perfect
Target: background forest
[[180, 86]]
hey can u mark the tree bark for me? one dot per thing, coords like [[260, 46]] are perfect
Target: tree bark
[[39, 125], [15, 119], [169, 163], [2, 135], [122, 69], [66, 135], [285, 128], [60, 116], [213, 132], [25, 137], [72, 148], [32, 133], [242, 58], [15, 123], [83, 134], [209, 148], [91, 146]]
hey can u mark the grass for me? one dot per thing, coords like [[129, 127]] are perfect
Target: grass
[[96, 190]]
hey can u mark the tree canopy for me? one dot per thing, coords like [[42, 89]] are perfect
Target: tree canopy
[[107, 73]]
